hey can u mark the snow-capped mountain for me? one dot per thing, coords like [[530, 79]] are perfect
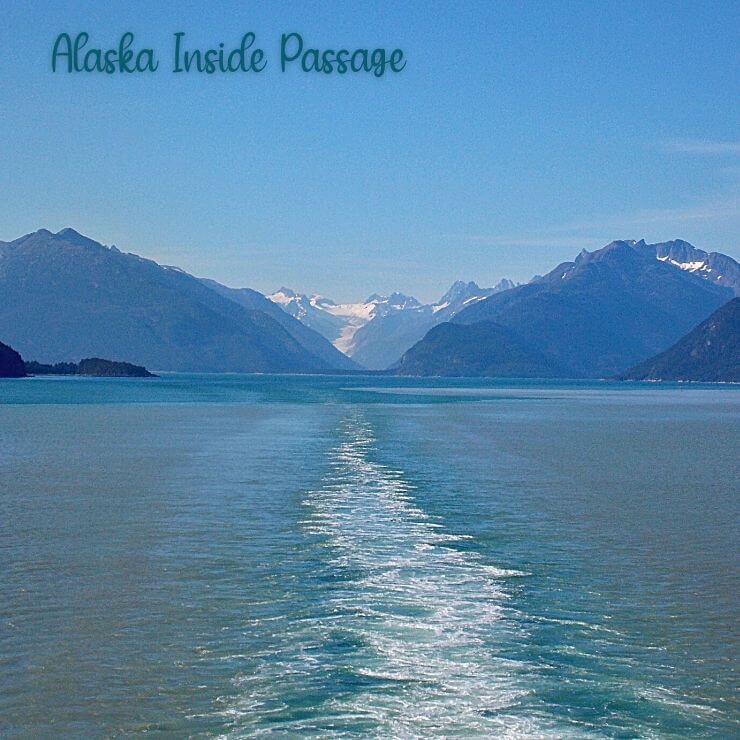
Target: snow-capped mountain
[[381, 342], [339, 322], [713, 266], [377, 331], [309, 311], [605, 311], [463, 294]]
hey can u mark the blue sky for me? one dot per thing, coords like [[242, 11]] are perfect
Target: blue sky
[[518, 134]]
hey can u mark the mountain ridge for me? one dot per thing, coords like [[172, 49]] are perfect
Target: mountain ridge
[[67, 296], [594, 316]]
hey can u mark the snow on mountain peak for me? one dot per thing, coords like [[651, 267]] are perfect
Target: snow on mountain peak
[[340, 322], [463, 294], [283, 296]]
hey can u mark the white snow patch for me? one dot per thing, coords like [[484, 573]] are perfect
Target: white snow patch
[[688, 266]]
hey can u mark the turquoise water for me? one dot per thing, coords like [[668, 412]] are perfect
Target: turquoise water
[[231, 556]]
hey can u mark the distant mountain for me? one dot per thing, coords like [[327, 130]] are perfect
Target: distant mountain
[[710, 352], [377, 331], [462, 294], [340, 322], [713, 266], [380, 343], [306, 336], [592, 317], [65, 296], [11, 363], [310, 312]]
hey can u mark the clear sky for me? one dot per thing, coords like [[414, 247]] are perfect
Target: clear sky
[[517, 134]]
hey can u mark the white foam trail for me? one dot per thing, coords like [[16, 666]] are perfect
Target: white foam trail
[[430, 609], [423, 618]]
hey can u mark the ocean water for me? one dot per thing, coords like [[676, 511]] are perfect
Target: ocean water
[[237, 556]]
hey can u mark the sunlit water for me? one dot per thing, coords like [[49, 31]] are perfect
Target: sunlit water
[[232, 556]]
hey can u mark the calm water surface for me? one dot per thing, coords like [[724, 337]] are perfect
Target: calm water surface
[[232, 556]]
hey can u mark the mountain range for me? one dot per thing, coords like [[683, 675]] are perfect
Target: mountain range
[[592, 317], [377, 331], [65, 296]]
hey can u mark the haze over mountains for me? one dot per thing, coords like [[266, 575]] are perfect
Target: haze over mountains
[[312, 340], [65, 297], [339, 322], [376, 332]]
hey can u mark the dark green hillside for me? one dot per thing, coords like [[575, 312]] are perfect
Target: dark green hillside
[[709, 353], [11, 363], [485, 349]]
